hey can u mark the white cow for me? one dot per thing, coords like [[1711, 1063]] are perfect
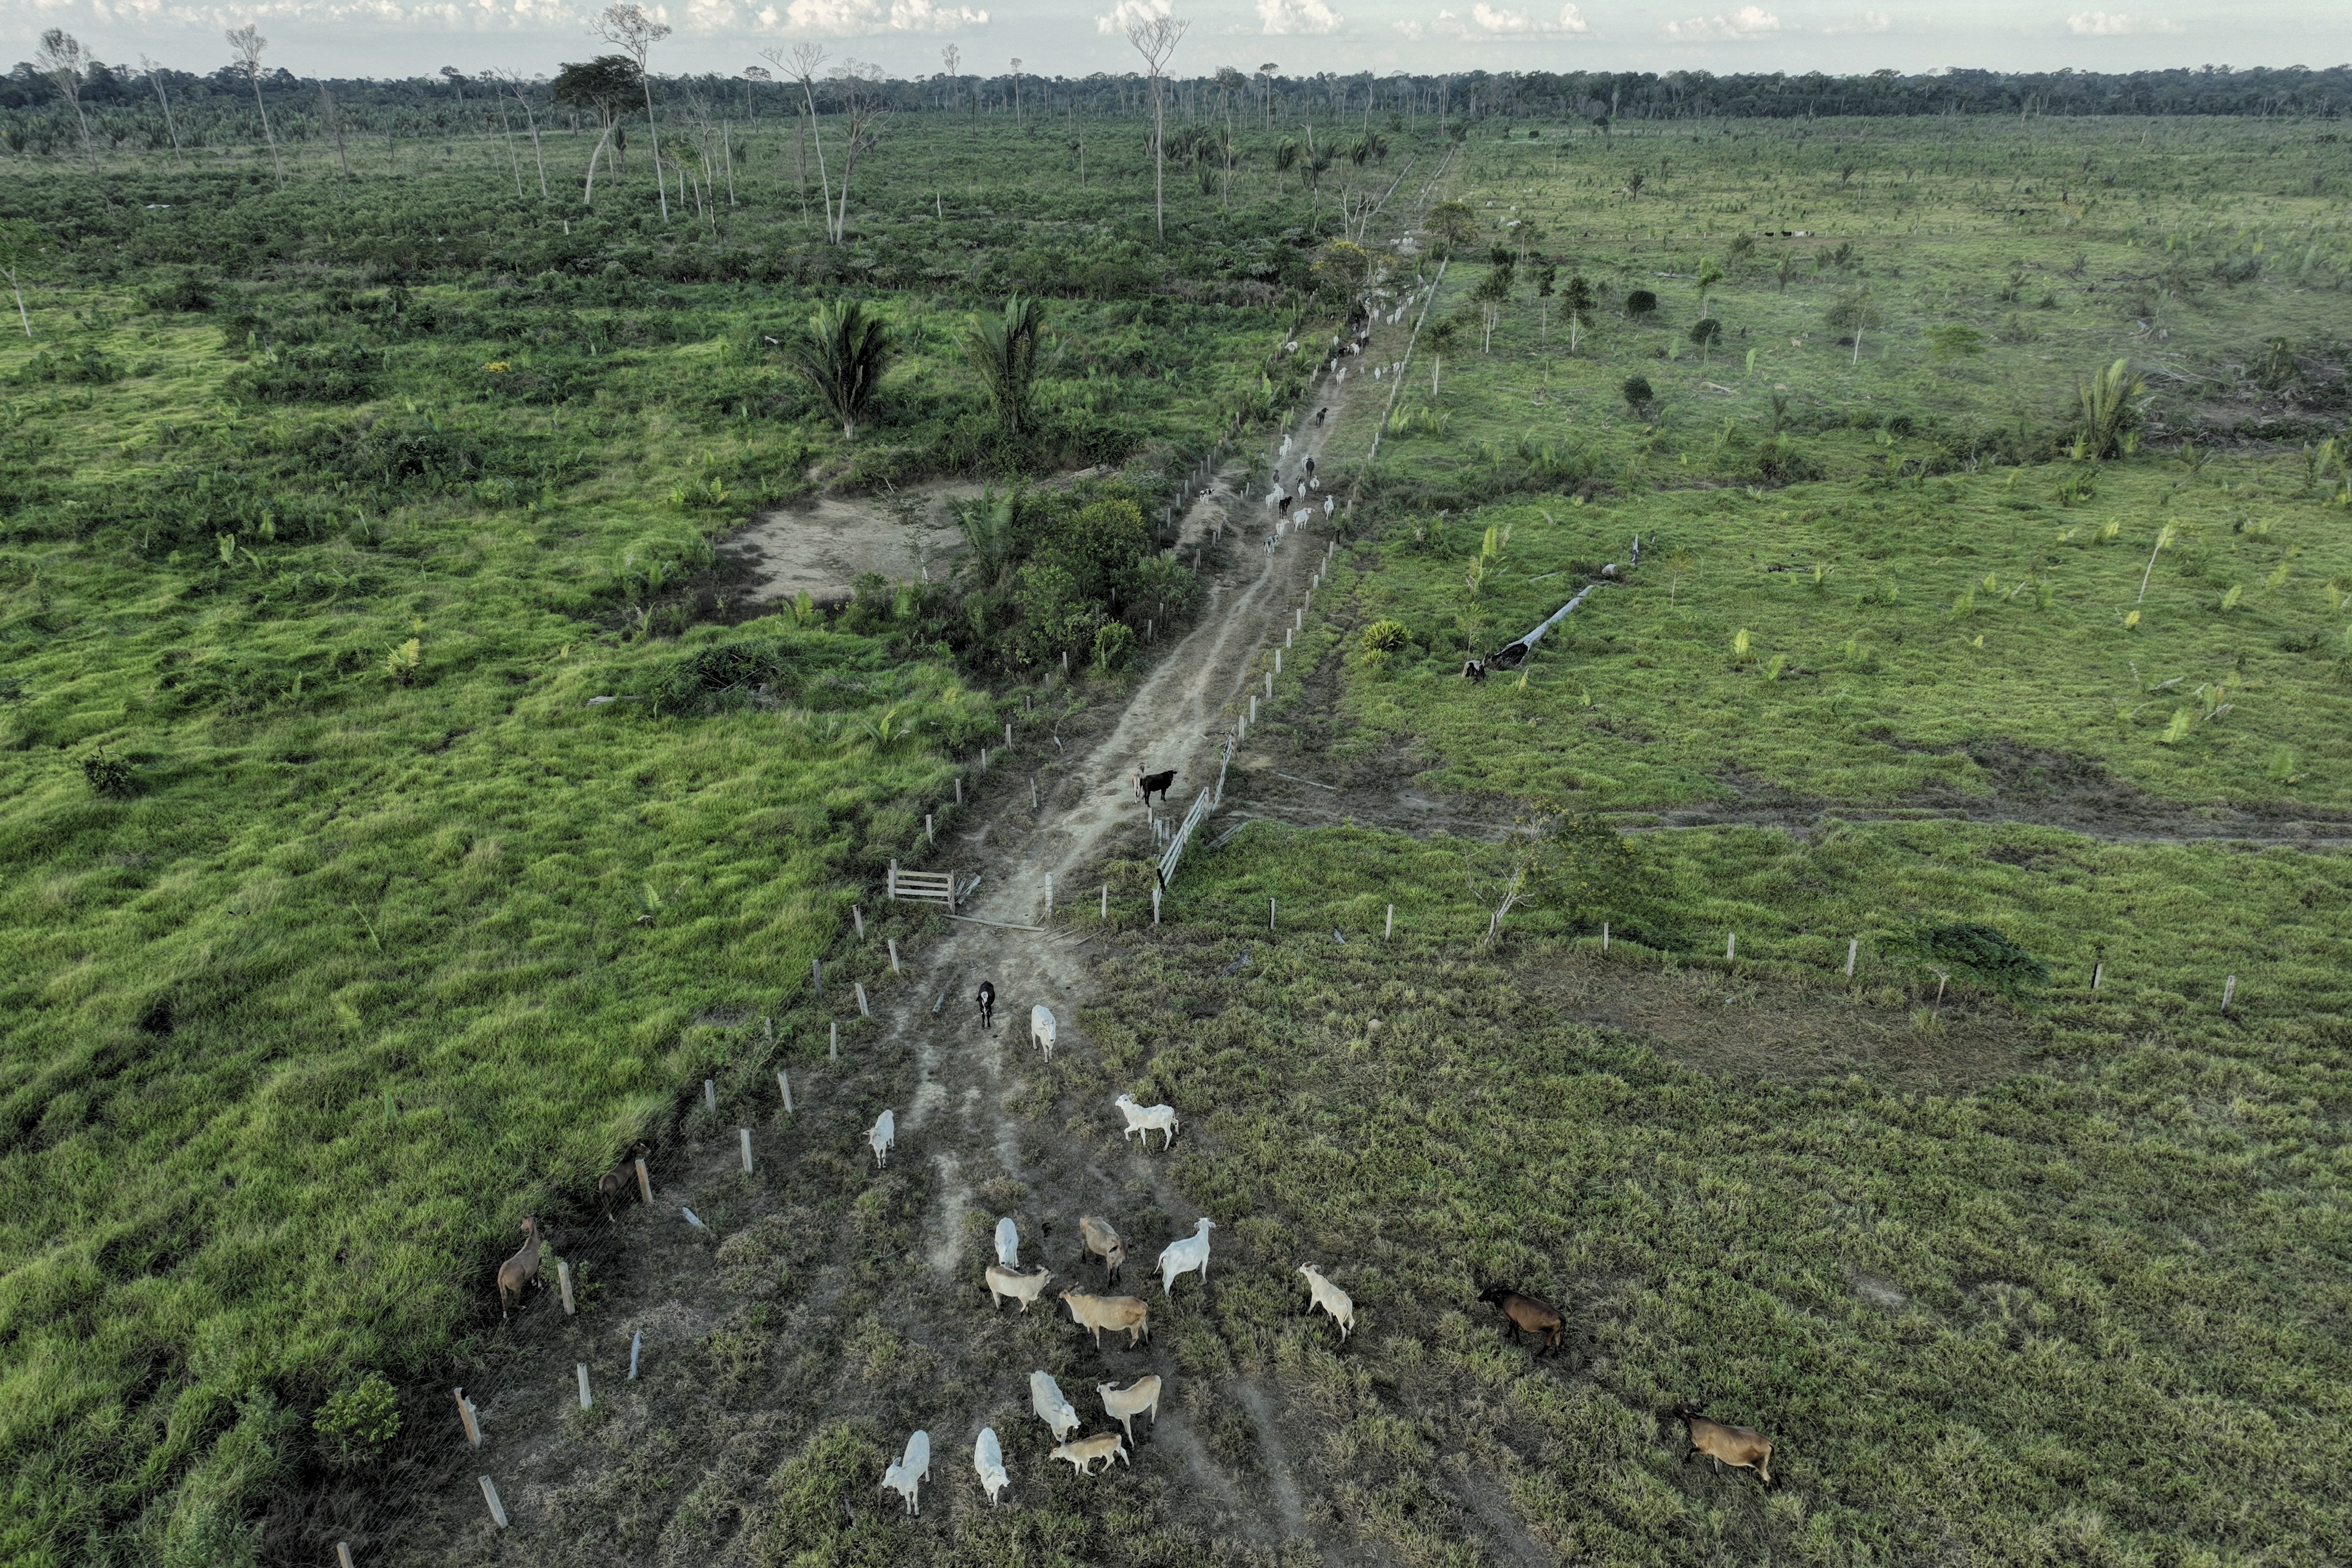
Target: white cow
[[1008, 1243], [1040, 1028], [912, 1471], [1148, 1119], [1046, 1399], [1181, 1257], [882, 1134], [987, 1458]]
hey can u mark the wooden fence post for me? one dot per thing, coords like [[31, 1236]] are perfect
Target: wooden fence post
[[858, 917], [1731, 944], [490, 1496], [1008, 723], [745, 1134], [816, 969], [1155, 904], [1604, 936], [644, 1183], [586, 1401], [894, 954], [465, 1416], [710, 1097], [2098, 972], [636, 1343], [863, 1010], [959, 783], [563, 1284], [1853, 952], [1269, 679], [785, 1084], [1106, 904], [1269, 914], [928, 836], [1049, 895], [2228, 992], [1389, 929], [832, 1051]]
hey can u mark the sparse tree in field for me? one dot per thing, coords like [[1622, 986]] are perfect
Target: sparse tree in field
[[24, 252], [1451, 224], [951, 57], [1787, 269], [1265, 74], [842, 357], [604, 87], [1709, 275], [1002, 352], [248, 43], [625, 25], [156, 78], [1581, 864], [1579, 302], [335, 124], [1855, 310], [65, 62], [1285, 158], [513, 83], [861, 90], [1156, 40], [802, 65], [1017, 92]]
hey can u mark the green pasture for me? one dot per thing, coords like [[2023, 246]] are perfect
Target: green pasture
[[2083, 1313]]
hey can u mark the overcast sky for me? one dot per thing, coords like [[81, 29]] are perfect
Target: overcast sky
[[401, 37]]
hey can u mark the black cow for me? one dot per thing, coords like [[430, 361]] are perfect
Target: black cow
[[987, 999], [1151, 784]]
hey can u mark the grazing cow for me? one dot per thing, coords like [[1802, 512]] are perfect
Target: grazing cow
[[1137, 1398], [1150, 784], [987, 1000], [519, 1270], [614, 1185], [987, 1458], [1319, 413], [1104, 1243], [1742, 1448], [1040, 1028], [907, 1475], [1083, 1453], [1525, 1312]]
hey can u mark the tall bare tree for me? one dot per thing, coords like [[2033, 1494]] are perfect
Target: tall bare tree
[[64, 61], [1266, 72], [1017, 91], [334, 122], [248, 43], [1156, 40], [156, 78], [861, 88], [802, 65], [513, 83], [951, 57], [625, 25]]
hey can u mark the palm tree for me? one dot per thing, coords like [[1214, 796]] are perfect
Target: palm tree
[[842, 357], [1003, 353]]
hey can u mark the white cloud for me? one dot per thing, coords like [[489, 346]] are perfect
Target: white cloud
[[1127, 14], [1863, 22], [1488, 19], [1748, 22], [923, 17], [1280, 18], [2115, 25], [1410, 29]]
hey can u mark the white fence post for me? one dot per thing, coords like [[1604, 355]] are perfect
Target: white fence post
[[745, 1134], [587, 1402], [1389, 929], [785, 1084], [863, 1010], [1853, 952], [490, 1496], [465, 1415]]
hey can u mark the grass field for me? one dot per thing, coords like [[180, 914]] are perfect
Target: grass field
[[344, 925]]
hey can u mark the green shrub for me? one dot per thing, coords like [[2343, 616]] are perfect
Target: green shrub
[[1638, 394], [358, 1421], [108, 776], [1974, 952], [1386, 637], [1114, 640]]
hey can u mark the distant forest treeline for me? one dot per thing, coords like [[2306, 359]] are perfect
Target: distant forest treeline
[[35, 119]]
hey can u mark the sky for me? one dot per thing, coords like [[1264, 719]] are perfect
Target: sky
[[411, 38]]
